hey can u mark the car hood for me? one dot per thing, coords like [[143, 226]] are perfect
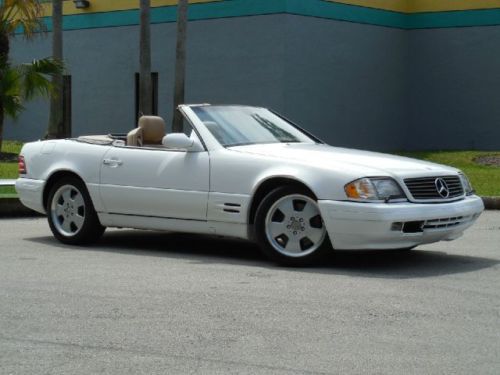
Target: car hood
[[336, 157]]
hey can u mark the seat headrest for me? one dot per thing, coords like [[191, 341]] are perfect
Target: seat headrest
[[153, 129]]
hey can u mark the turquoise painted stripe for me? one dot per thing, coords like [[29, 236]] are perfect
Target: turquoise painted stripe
[[311, 8], [345, 12], [219, 9]]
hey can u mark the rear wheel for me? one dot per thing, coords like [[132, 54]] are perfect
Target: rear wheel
[[71, 215], [289, 227]]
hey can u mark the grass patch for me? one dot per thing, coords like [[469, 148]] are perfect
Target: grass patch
[[484, 179], [8, 170], [12, 146], [8, 192]]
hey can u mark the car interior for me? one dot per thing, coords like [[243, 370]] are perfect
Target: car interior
[[150, 132]]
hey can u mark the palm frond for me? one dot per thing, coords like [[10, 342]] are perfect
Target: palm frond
[[47, 66], [10, 83], [10, 91], [23, 14], [13, 106], [36, 76]]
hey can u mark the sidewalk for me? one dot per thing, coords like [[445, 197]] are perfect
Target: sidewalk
[[7, 182]]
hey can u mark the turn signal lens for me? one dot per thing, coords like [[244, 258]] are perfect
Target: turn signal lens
[[352, 191], [21, 165], [361, 189]]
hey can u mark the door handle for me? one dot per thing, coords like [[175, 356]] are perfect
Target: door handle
[[112, 162]]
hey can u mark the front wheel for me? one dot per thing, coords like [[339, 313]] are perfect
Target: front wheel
[[289, 227], [71, 215]]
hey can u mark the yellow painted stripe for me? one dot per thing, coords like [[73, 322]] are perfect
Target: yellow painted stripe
[[394, 5], [403, 6], [101, 6], [417, 6]]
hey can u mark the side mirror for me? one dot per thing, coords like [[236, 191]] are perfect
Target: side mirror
[[181, 141]]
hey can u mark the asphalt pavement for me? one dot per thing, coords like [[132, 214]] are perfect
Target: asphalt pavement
[[143, 302]]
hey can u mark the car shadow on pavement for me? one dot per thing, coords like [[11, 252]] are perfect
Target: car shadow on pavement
[[404, 264], [202, 249]]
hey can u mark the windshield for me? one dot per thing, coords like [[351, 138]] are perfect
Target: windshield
[[238, 125]]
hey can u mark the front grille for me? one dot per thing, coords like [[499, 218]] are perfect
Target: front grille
[[425, 187]]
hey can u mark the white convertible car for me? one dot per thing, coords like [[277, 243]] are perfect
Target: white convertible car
[[243, 172]]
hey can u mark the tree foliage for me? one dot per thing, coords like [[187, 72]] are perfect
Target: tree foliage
[[22, 15], [26, 81]]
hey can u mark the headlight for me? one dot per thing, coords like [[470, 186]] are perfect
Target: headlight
[[466, 184], [374, 189]]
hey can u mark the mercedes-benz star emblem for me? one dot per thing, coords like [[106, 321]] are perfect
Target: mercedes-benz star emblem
[[442, 187]]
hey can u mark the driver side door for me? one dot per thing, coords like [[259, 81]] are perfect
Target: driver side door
[[155, 182]]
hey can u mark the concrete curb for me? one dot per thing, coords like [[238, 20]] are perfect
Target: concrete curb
[[7, 182], [491, 203], [12, 207]]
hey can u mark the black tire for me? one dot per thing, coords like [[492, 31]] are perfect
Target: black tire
[[73, 220], [405, 249], [271, 247]]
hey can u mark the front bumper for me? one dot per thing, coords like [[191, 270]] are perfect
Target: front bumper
[[353, 225], [31, 193]]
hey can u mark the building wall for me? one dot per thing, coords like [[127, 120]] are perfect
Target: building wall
[[346, 82], [262, 60], [382, 75], [229, 60], [454, 91]]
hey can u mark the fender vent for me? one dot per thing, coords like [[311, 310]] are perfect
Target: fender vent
[[232, 208]]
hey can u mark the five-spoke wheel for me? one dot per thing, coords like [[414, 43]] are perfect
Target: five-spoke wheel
[[289, 227], [71, 215], [68, 210], [294, 226]]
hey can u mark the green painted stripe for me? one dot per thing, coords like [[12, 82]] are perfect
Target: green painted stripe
[[311, 8]]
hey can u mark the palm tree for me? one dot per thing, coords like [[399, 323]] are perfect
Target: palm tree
[[15, 15], [55, 127], [145, 90], [25, 82], [180, 63]]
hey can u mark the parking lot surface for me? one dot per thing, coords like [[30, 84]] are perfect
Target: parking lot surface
[[156, 303]]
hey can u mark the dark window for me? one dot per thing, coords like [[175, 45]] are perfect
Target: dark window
[[154, 87], [66, 123]]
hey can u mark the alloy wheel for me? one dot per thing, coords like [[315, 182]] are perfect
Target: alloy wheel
[[294, 227], [68, 210]]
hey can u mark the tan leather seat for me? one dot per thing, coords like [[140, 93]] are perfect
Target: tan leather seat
[[153, 129]]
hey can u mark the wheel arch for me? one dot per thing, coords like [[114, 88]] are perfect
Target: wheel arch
[[53, 178], [269, 184]]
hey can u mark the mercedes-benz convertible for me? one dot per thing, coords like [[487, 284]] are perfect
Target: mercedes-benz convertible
[[244, 172]]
